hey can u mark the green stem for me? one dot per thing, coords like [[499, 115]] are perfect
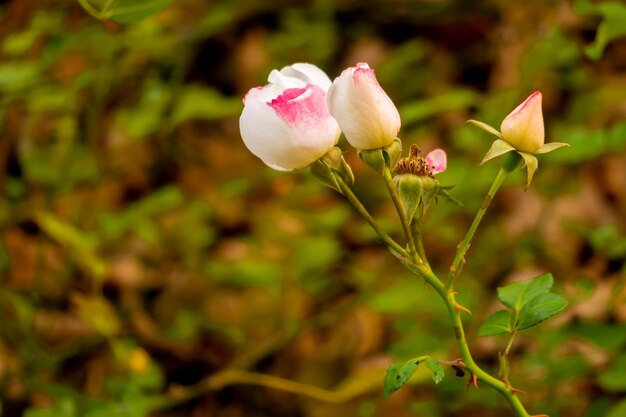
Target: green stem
[[459, 333], [406, 227], [504, 364], [107, 7], [465, 243], [417, 236], [90, 9], [508, 345], [353, 199]]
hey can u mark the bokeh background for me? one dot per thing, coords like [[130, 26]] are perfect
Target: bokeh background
[[151, 266]]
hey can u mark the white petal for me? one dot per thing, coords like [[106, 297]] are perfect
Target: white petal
[[309, 73], [367, 116], [281, 145]]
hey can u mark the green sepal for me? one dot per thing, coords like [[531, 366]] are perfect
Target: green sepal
[[531, 165], [381, 158], [499, 147], [410, 190], [392, 153], [486, 128], [443, 192], [552, 146], [329, 165], [417, 194]]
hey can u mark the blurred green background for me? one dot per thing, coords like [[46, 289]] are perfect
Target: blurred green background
[[151, 266]]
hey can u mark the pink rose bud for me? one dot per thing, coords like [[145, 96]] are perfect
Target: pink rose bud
[[286, 123], [366, 114], [523, 127]]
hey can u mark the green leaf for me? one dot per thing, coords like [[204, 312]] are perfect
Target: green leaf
[[130, 11], [497, 323], [399, 373], [417, 110], [124, 11], [486, 128], [614, 378], [612, 27], [436, 369], [519, 293], [16, 76], [619, 410], [77, 242], [531, 166], [60, 407], [99, 313], [198, 102], [539, 309], [499, 147]]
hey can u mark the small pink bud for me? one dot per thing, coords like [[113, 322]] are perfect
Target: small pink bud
[[436, 161], [366, 114], [523, 127]]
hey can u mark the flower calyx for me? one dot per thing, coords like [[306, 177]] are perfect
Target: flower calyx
[[381, 158], [415, 182], [332, 168]]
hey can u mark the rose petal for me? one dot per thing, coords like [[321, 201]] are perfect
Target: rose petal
[[523, 127], [437, 161], [366, 114]]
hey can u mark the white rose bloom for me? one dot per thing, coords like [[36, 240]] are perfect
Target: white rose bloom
[[286, 123]]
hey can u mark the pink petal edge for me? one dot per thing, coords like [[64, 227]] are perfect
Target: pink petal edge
[[522, 107], [437, 161], [302, 107]]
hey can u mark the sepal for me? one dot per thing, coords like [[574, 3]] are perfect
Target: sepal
[[381, 158], [331, 164], [552, 146], [499, 147], [485, 127], [417, 193], [410, 190], [531, 166]]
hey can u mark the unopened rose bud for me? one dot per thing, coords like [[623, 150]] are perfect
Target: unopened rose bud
[[286, 123], [366, 114], [523, 127]]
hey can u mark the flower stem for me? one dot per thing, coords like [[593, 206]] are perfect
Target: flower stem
[[406, 227], [417, 236], [459, 333], [356, 203], [90, 9], [459, 258]]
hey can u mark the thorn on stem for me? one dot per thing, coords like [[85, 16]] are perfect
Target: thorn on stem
[[459, 307], [473, 379], [515, 390]]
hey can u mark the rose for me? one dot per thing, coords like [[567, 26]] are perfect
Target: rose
[[366, 114], [286, 123], [523, 127]]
